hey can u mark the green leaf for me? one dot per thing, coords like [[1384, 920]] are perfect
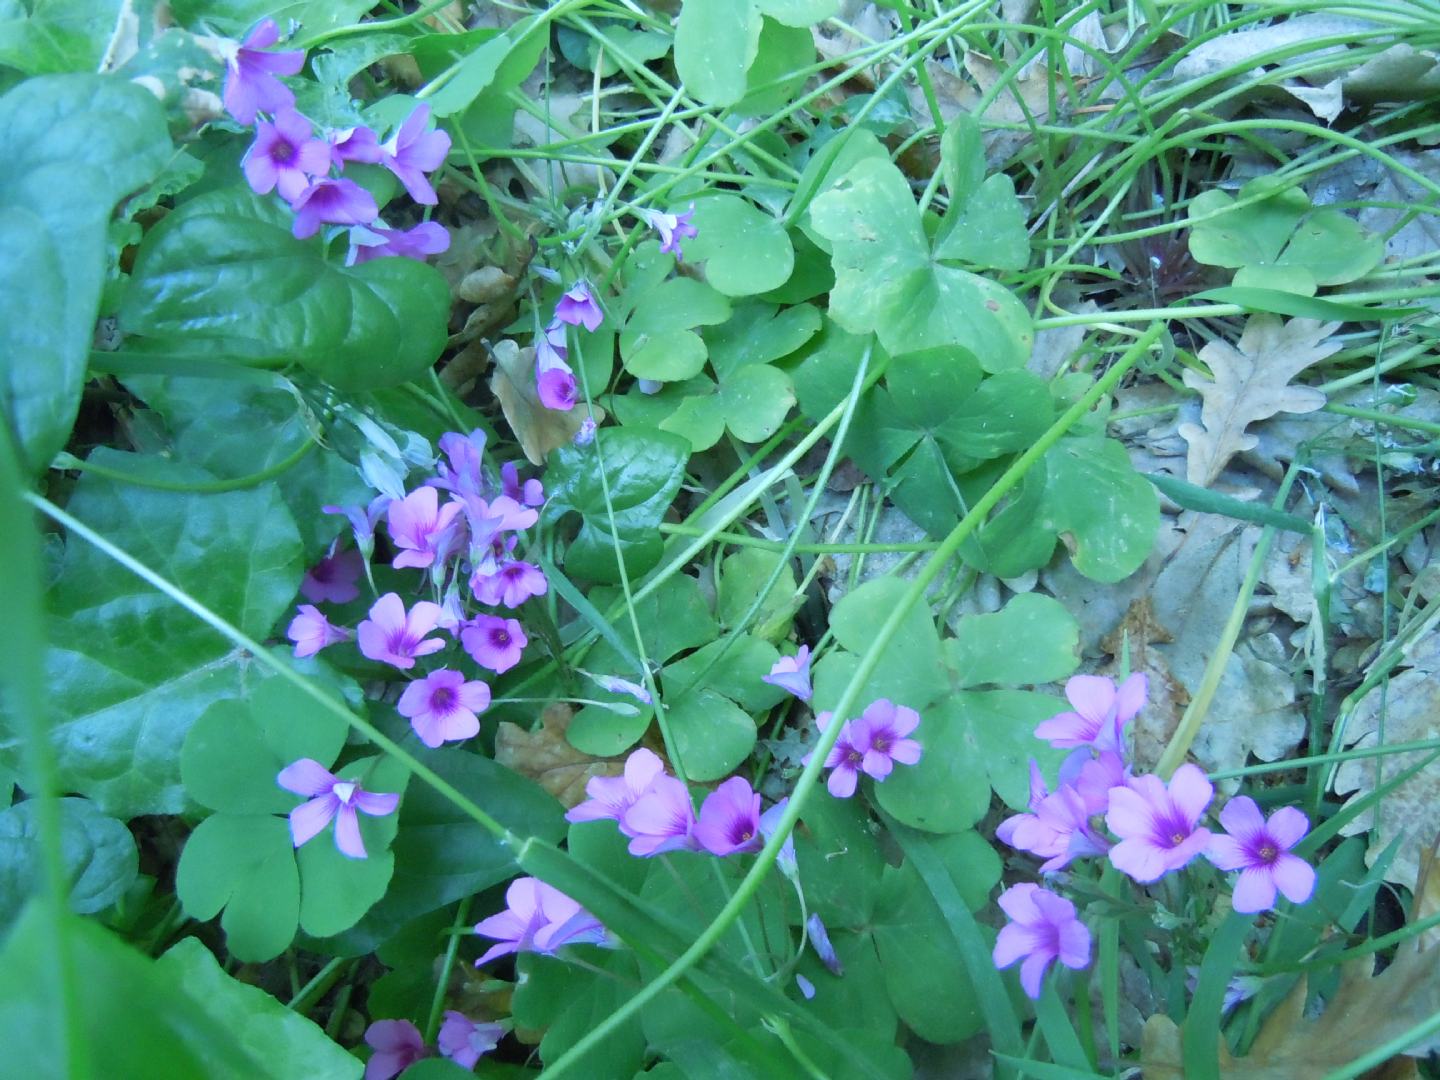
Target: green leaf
[[566, 1003], [99, 855], [839, 859], [78, 144], [246, 865], [1279, 242], [477, 70], [910, 671], [712, 734], [756, 400], [130, 669], [227, 766], [223, 271], [985, 225], [128, 1010], [777, 73], [643, 469], [1032, 639], [887, 281], [799, 12], [715, 44], [744, 250], [974, 741], [758, 332], [658, 340], [289, 1043], [1105, 512], [742, 576]]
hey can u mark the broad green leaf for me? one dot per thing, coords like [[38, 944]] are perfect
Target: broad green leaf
[[1032, 639], [223, 272], [135, 1022], [78, 144], [985, 225], [974, 741], [1007, 413], [286, 1042], [235, 17], [98, 852], [643, 469], [658, 340], [799, 12], [824, 376], [910, 671], [567, 1002], [715, 44], [227, 766], [1105, 512], [742, 576], [939, 1006], [57, 36], [756, 400], [732, 667], [1279, 242], [131, 670], [839, 859], [758, 332], [246, 865], [826, 167], [713, 735], [887, 281], [777, 73], [600, 47], [477, 70]]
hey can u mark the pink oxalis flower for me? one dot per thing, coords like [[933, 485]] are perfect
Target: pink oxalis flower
[[871, 744], [1159, 828], [311, 631], [375, 241], [441, 707], [332, 579], [1099, 714], [662, 819], [729, 821], [285, 156], [420, 527], [611, 796], [331, 799], [353, 144], [398, 1044], [464, 1041], [538, 918], [251, 85], [412, 152], [792, 673], [1260, 850], [396, 637], [331, 202], [672, 229], [1043, 928], [1057, 828], [510, 586], [494, 642]]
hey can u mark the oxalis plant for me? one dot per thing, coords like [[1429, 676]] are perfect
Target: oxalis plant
[[536, 540]]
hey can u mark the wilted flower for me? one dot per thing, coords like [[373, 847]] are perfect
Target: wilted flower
[[336, 202], [792, 673], [333, 578], [311, 631], [464, 1041], [250, 82], [412, 152], [729, 820], [1043, 929], [441, 707], [362, 521], [396, 637], [374, 241], [1159, 829], [538, 918], [820, 941], [578, 307], [1260, 850], [494, 642], [530, 493], [332, 798]]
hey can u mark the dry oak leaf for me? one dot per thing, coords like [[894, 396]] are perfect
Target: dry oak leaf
[[545, 756], [1251, 383], [1365, 1012]]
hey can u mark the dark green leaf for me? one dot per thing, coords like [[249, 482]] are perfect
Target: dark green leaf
[[98, 852], [224, 268], [246, 865]]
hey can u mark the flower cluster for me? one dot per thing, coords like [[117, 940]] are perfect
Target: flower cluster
[[1154, 829], [871, 744], [398, 1044], [305, 166], [655, 811]]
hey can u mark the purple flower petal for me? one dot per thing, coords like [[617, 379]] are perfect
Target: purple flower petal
[[306, 777], [1287, 826], [347, 833], [1294, 877], [1254, 890]]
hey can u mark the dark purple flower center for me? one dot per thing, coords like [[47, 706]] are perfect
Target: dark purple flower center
[[282, 151], [442, 699], [323, 571], [500, 637], [1268, 852], [741, 832], [853, 756], [1171, 830], [881, 743]]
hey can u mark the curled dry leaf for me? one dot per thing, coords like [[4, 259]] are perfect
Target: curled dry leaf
[[538, 429], [545, 756], [1250, 384]]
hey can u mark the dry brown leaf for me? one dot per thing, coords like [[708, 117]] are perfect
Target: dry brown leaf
[[546, 756], [1365, 1012], [1251, 383], [538, 429]]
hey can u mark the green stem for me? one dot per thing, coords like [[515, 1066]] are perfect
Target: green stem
[[69, 462], [866, 667], [437, 1000], [315, 989]]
